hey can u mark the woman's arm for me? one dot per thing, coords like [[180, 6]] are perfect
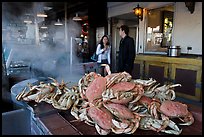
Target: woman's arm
[[99, 50]]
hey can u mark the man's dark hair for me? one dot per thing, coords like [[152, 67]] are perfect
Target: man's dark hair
[[125, 28]]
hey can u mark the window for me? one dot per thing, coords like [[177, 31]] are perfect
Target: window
[[159, 29]]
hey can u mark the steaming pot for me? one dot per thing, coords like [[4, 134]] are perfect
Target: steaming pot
[[174, 51]]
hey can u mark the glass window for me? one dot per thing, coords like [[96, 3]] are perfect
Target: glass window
[[159, 29]]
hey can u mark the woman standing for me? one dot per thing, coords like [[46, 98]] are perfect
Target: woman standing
[[103, 51]]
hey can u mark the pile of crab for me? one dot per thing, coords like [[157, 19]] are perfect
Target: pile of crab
[[59, 95], [116, 103]]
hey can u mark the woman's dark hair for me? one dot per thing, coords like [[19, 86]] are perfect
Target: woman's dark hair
[[125, 28], [101, 42]]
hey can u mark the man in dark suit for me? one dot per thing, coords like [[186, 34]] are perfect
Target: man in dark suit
[[126, 51]]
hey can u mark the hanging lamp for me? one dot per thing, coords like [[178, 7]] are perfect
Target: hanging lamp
[[77, 18], [58, 23]]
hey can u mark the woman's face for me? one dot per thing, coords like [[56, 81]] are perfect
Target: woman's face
[[105, 40]]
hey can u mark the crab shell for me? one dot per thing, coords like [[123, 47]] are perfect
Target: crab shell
[[121, 75], [95, 89], [132, 88], [101, 116], [145, 100], [124, 100], [123, 86], [116, 78], [119, 110], [174, 108]]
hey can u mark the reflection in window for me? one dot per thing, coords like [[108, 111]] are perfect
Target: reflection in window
[[159, 29], [167, 28]]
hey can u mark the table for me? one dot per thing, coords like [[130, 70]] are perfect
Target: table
[[47, 120], [63, 123]]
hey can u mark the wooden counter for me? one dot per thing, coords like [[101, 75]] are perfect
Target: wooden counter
[[46, 120], [63, 123], [183, 70]]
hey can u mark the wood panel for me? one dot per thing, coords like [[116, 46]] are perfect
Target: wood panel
[[190, 79], [165, 59], [186, 71], [157, 71], [138, 70]]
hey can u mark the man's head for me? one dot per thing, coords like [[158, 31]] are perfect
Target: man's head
[[124, 30]]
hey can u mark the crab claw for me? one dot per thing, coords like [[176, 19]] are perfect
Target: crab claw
[[107, 68], [145, 82], [188, 119], [175, 85], [101, 131]]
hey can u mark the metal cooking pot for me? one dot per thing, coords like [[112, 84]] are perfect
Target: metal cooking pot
[[174, 51]]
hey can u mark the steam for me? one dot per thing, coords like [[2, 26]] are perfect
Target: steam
[[52, 57]]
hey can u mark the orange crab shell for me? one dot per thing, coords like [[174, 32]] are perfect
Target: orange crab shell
[[174, 108], [95, 89], [122, 101], [101, 116], [119, 110], [145, 100], [123, 86]]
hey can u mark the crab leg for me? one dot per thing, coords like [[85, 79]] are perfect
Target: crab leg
[[136, 122], [31, 97], [145, 82], [152, 90], [175, 85], [74, 110], [101, 131], [48, 98], [175, 128], [117, 130], [107, 68], [69, 102], [189, 119], [129, 129], [172, 93], [123, 124], [19, 96]]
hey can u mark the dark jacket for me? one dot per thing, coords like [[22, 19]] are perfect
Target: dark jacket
[[126, 55]]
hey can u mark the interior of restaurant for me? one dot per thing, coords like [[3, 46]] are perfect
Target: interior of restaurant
[[36, 40], [40, 33], [57, 39]]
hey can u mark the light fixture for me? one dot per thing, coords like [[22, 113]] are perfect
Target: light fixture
[[58, 23], [43, 27], [41, 12], [27, 20], [190, 6], [82, 35], [42, 15], [47, 8], [77, 18], [138, 11]]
